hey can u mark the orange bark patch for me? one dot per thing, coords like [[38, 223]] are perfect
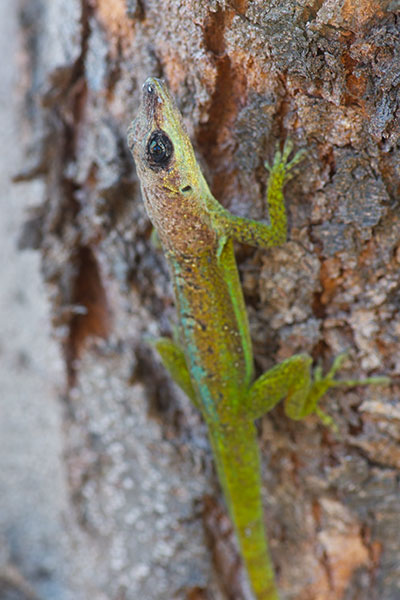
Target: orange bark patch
[[352, 15], [240, 6], [114, 19], [173, 66], [345, 554], [330, 278], [258, 78], [356, 83], [368, 253], [342, 555], [342, 548], [361, 11]]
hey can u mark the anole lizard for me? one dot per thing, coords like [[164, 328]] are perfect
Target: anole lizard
[[213, 360]]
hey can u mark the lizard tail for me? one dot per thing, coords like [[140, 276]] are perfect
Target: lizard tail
[[238, 462]]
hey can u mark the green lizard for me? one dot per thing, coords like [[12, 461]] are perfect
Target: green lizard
[[213, 360]]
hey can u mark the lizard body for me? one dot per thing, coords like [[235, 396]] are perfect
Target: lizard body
[[213, 360]]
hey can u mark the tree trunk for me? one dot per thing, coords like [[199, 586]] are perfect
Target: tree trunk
[[246, 75]]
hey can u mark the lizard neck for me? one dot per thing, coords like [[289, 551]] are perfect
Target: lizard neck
[[182, 221]]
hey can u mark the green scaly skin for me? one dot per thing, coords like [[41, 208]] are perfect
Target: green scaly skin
[[213, 361]]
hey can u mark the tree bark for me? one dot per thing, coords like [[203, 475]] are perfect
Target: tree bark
[[246, 75]]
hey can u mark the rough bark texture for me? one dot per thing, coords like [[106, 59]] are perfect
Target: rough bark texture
[[245, 75]]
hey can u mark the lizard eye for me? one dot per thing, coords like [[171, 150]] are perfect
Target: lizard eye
[[159, 149]]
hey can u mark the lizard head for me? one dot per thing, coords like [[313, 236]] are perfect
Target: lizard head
[[173, 188], [159, 143]]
